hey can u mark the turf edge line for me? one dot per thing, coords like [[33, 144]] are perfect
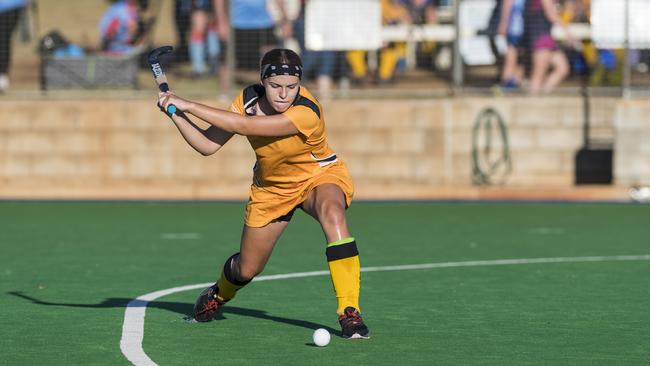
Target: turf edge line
[[133, 326]]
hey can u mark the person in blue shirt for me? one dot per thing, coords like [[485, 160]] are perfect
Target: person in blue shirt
[[511, 26], [255, 30], [119, 26], [10, 11]]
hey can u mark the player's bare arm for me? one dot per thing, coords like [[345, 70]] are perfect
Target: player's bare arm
[[273, 125], [205, 141]]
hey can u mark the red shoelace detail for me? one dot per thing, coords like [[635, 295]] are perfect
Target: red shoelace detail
[[211, 305], [351, 317]]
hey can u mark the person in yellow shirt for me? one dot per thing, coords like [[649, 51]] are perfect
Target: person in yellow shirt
[[604, 66], [295, 168], [392, 12]]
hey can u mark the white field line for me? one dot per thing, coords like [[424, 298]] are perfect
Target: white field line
[[180, 236], [133, 327]]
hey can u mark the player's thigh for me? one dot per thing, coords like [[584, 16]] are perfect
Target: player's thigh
[[326, 203], [257, 245], [322, 196]]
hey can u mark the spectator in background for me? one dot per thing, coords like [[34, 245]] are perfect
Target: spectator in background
[[393, 12], [511, 26], [550, 65], [600, 65], [10, 11], [424, 12], [255, 30], [183, 20], [320, 62], [495, 38], [578, 11], [118, 27], [206, 15]]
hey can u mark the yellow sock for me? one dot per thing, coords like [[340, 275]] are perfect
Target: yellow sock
[[228, 283], [357, 62], [387, 63], [388, 59], [345, 270]]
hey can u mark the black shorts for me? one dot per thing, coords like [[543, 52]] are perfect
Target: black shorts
[[288, 216]]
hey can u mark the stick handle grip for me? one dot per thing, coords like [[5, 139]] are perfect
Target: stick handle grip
[[163, 87]]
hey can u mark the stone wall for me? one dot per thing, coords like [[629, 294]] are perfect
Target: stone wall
[[89, 148], [632, 158]]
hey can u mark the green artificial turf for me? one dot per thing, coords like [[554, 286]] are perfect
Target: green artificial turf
[[67, 271]]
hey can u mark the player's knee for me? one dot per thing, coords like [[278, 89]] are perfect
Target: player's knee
[[332, 213]]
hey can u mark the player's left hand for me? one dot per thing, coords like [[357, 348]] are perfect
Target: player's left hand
[[169, 98]]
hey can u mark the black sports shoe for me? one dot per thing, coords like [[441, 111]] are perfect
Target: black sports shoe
[[352, 325], [207, 305]]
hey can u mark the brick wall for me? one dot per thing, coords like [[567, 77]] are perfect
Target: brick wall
[[125, 149], [632, 157]]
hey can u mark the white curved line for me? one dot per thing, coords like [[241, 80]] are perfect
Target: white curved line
[[133, 327]]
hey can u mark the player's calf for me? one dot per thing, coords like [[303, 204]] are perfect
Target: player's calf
[[214, 297]]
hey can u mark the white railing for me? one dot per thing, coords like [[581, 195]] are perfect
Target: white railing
[[447, 32]]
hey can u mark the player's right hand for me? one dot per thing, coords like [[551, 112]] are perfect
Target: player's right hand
[[160, 104]]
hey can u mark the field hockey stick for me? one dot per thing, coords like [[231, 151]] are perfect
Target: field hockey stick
[[159, 74]]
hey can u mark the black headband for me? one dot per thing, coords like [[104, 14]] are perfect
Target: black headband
[[269, 70]]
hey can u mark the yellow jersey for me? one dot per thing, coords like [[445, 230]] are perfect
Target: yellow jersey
[[288, 167], [288, 161]]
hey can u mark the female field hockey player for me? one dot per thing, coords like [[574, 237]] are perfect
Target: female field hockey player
[[295, 168]]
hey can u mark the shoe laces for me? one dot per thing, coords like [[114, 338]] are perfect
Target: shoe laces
[[212, 304], [351, 316]]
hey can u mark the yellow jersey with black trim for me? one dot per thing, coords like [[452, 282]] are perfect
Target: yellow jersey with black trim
[[288, 161]]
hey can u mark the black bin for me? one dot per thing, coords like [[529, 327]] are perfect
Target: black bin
[[594, 166]]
